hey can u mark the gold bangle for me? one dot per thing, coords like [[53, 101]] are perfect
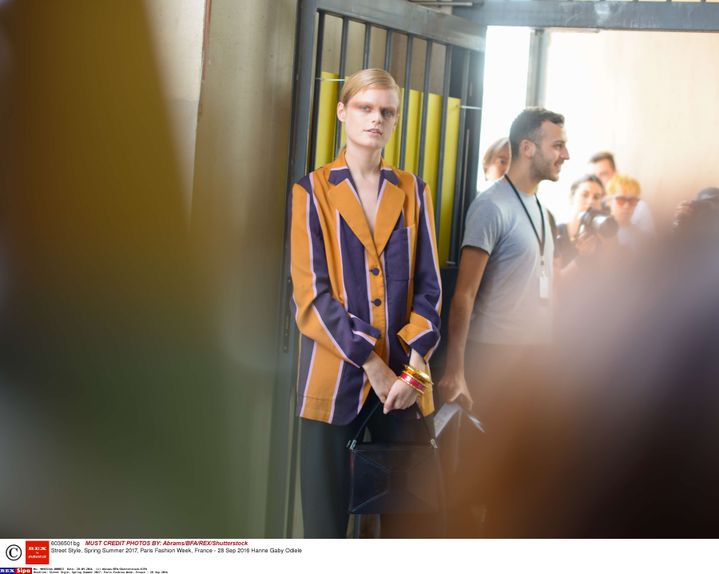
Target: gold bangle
[[421, 376]]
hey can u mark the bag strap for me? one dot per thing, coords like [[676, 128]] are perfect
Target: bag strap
[[429, 428]]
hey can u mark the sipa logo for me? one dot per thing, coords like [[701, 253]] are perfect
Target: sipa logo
[[13, 552]]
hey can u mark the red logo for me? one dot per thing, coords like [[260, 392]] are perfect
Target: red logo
[[23, 570], [37, 552]]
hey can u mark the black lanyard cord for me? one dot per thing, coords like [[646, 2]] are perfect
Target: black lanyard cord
[[531, 222]]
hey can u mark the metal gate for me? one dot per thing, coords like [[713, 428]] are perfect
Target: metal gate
[[460, 37], [408, 40]]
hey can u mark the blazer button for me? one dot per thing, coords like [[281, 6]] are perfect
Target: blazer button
[[377, 302], [374, 271]]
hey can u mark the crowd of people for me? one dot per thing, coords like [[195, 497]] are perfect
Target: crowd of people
[[575, 400]]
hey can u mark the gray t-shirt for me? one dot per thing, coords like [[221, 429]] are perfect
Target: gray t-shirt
[[509, 309]]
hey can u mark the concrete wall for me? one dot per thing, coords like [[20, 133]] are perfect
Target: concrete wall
[[649, 97], [238, 222], [176, 32]]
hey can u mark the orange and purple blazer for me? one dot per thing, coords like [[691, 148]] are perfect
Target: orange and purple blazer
[[355, 291]]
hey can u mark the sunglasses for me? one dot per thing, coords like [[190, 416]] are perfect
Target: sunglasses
[[621, 200]]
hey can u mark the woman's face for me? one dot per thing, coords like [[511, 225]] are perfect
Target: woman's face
[[588, 194], [622, 207], [499, 164], [370, 117]]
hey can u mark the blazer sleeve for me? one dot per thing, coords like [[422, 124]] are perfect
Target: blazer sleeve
[[421, 333], [319, 315]]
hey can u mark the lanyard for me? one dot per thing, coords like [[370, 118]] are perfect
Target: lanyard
[[541, 216]]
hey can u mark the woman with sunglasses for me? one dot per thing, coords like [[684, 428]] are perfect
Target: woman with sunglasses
[[623, 195]]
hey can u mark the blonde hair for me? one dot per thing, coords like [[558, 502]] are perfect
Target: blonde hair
[[494, 149], [368, 78], [623, 185]]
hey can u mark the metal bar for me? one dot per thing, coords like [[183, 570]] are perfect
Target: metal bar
[[458, 203], [341, 74], [442, 137], [318, 85], [536, 72], [282, 459], [425, 105], [365, 52], [411, 19], [388, 50], [405, 102], [608, 15], [473, 128]]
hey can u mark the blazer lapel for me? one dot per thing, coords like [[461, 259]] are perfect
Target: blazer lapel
[[388, 211], [347, 203]]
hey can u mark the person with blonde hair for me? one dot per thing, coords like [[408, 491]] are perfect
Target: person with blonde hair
[[366, 295], [495, 162], [623, 193]]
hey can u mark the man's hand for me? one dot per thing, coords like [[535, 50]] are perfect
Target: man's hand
[[453, 388]]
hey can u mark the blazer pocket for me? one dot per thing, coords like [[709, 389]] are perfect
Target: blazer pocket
[[397, 254]]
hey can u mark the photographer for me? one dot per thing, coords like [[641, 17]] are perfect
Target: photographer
[[582, 235]]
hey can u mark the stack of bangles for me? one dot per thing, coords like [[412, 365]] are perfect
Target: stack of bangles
[[418, 380]]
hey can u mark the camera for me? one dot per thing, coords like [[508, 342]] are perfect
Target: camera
[[594, 221]]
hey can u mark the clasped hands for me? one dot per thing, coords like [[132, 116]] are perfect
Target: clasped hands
[[394, 393]]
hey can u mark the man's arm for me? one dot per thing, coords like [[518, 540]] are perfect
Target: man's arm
[[472, 264]]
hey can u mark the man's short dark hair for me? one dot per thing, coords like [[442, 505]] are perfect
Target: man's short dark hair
[[603, 155], [528, 126]]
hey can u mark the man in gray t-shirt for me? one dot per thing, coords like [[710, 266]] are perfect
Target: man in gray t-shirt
[[509, 308], [504, 285], [500, 322]]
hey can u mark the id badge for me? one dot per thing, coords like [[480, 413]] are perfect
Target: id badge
[[543, 286]]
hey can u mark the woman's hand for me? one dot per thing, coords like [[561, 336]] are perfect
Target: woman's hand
[[401, 396], [380, 376]]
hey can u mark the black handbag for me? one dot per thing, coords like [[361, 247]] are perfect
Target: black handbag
[[395, 477]]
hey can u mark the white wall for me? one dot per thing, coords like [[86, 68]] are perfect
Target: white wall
[[649, 97]]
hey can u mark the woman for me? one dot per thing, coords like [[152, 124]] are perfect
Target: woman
[[623, 196], [367, 296], [496, 160], [585, 193]]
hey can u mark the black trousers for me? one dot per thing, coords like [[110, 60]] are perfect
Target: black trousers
[[494, 492], [324, 473]]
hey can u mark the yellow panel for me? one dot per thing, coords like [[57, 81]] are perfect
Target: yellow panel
[[431, 142], [449, 169], [411, 154], [391, 150], [326, 117]]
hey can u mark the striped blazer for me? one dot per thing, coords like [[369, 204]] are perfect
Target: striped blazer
[[355, 291]]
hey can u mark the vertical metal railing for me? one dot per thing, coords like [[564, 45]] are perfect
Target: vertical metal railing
[[425, 107], [342, 65], [405, 102]]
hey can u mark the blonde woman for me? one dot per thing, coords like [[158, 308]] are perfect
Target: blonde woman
[[367, 294], [623, 193]]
